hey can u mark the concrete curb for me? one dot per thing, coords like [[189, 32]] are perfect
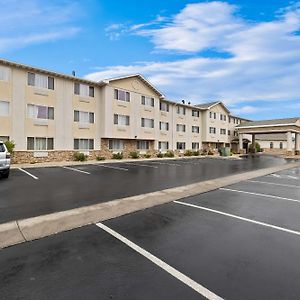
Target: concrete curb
[[37, 227]]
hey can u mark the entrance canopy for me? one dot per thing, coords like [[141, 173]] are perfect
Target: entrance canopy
[[288, 126]]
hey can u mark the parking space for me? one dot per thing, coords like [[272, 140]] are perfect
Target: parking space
[[222, 244], [36, 191]]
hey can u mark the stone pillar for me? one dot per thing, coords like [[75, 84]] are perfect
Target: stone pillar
[[240, 142], [297, 144], [289, 147], [253, 143]]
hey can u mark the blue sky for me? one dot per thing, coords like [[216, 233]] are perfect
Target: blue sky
[[245, 53]]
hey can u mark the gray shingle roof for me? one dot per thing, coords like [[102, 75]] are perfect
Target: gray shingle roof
[[271, 137], [269, 122], [207, 105]]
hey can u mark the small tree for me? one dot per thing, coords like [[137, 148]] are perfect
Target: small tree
[[10, 145], [257, 148]]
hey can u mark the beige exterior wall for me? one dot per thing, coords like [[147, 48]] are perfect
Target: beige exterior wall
[[18, 126]]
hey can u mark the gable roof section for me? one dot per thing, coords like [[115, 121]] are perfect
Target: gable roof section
[[209, 105], [269, 123], [271, 137], [139, 76]]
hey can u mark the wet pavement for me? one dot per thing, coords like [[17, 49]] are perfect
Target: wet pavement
[[235, 244], [56, 188]]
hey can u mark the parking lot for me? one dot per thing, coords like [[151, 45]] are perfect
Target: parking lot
[[237, 242], [32, 192]]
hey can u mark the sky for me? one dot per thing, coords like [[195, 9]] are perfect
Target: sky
[[245, 53]]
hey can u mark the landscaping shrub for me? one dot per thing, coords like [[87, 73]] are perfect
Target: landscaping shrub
[[160, 155], [196, 153], [147, 155], [134, 154], [10, 145], [188, 153], [257, 148], [210, 152], [100, 158], [80, 156], [118, 155], [169, 154], [204, 152]]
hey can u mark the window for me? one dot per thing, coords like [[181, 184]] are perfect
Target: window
[[180, 146], [84, 90], [115, 144], [149, 123], [210, 114], [212, 130], [143, 145], [280, 144], [40, 112], [122, 95], [222, 131], [180, 110], [41, 81], [84, 117], [40, 143], [121, 120], [228, 132], [195, 113], [163, 145], [164, 126], [4, 138], [195, 129], [195, 146], [215, 116], [147, 101], [180, 128], [83, 144], [222, 117], [4, 73], [4, 109], [271, 145], [2, 149], [163, 106]]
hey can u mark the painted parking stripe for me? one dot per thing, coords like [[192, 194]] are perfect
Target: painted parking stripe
[[240, 218], [162, 163], [273, 183], [275, 175], [140, 165], [31, 175], [76, 170], [292, 177], [112, 167], [172, 271], [260, 195]]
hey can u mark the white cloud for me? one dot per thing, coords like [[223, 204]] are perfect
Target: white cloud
[[34, 21], [262, 61]]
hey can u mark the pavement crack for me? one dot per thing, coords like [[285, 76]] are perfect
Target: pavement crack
[[21, 231]]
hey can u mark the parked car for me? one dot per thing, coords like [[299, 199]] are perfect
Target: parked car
[[4, 161]]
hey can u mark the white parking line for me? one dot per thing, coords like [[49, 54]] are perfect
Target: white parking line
[[141, 165], [172, 271], [272, 183], [34, 177], [260, 195], [240, 218], [292, 177], [111, 167], [275, 175], [161, 163], [76, 170]]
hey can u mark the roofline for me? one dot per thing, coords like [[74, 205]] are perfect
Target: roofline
[[270, 125], [45, 71], [106, 81]]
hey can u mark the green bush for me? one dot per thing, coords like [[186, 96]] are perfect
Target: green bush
[[134, 154], [204, 152], [100, 158], [188, 153], [160, 155], [147, 155], [80, 156], [10, 145], [196, 153], [257, 148], [118, 155], [169, 154]]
